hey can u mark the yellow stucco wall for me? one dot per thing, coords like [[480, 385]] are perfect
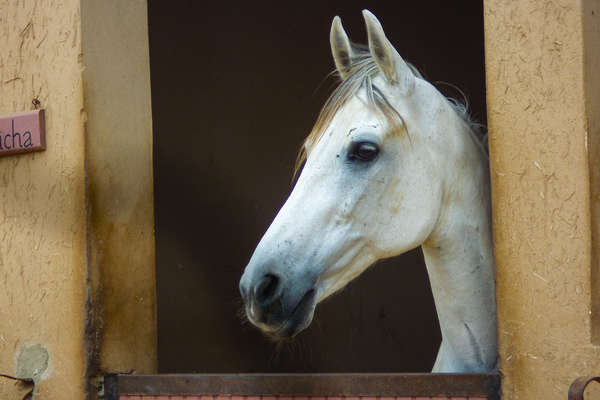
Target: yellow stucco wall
[[120, 184], [77, 287], [539, 164], [591, 26], [42, 200]]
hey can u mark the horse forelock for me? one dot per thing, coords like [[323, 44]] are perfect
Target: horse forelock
[[361, 75]]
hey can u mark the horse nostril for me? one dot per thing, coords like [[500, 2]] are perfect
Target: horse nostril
[[266, 290]]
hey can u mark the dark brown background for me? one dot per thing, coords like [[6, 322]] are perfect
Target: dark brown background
[[235, 88]]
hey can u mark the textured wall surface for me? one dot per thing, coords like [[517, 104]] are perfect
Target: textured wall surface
[[539, 165], [66, 308], [42, 202], [591, 26], [120, 186]]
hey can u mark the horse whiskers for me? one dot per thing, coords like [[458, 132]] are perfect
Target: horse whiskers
[[241, 312], [292, 349]]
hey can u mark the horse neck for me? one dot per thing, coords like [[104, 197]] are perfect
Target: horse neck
[[460, 265]]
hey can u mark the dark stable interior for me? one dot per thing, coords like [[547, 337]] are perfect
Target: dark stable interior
[[236, 86]]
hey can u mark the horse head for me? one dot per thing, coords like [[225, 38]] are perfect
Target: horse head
[[373, 185]]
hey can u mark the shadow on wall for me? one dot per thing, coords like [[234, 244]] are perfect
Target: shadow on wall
[[235, 89]]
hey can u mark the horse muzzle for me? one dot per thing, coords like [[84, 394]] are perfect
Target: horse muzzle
[[274, 310]]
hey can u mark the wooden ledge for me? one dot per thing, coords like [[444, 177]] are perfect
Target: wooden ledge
[[390, 385]]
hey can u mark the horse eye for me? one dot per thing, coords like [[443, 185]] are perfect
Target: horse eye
[[363, 151]]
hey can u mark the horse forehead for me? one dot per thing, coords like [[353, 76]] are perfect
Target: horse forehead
[[420, 108], [353, 115]]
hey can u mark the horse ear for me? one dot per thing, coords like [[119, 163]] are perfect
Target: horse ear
[[387, 58], [340, 47]]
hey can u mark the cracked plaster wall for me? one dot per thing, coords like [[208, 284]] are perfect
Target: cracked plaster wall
[[66, 310], [42, 198], [539, 165], [120, 186]]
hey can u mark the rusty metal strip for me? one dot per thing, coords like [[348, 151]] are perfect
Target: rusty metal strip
[[425, 385], [578, 386]]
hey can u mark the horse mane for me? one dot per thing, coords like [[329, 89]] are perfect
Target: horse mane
[[362, 71]]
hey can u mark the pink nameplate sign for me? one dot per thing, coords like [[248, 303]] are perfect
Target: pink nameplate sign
[[22, 133]]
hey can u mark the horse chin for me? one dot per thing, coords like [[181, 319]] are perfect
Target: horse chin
[[299, 319]]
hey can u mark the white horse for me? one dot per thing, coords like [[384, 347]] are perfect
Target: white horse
[[391, 164]]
